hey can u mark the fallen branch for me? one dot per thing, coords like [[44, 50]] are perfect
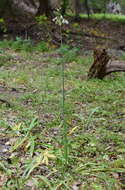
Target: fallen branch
[[115, 66], [104, 65]]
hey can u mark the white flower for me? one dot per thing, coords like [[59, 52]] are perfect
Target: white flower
[[60, 20], [54, 19], [64, 21]]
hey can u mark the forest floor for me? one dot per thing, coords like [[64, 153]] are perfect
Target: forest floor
[[32, 154], [83, 33]]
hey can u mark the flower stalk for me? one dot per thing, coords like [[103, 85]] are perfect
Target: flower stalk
[[59, 20]]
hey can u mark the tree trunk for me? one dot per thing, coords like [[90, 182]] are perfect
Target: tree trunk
[[64, 6], [24, 8], [104, 65], [3, 7], [19, 15], [87, 7], [77, 7], [44, 8]]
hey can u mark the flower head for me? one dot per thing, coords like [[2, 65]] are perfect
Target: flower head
[[59, 19]]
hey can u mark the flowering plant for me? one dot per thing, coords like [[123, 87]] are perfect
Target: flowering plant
[[59, 19]]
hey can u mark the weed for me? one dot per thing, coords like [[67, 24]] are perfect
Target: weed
[[42, 19], [5, 60], [59, 20], [25, 45], [3, 25], [42, 46], [20, 44], [68, 54]]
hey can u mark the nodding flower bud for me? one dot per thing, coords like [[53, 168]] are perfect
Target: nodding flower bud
[[54, 19], [65, 21], [59, 19]]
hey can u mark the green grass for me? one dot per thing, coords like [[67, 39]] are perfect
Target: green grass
[[102, 16], [26, 45], [31, 129]]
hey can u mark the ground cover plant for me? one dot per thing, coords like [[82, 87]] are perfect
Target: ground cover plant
[[102, 16], [31, 135]]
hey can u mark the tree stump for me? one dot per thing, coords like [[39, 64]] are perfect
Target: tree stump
[[104, 65]]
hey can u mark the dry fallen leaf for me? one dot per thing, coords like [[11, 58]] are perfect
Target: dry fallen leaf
[[3, 179], [47, 156], [76, 185], [115, 175]]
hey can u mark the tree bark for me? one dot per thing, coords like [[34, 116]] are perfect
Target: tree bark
[[3, 7], [48, 6], [64, 6], [104, 65], [24, 8], [87, 7], [77, 8]]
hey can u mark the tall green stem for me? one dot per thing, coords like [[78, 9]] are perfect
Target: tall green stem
[[65, 139]]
